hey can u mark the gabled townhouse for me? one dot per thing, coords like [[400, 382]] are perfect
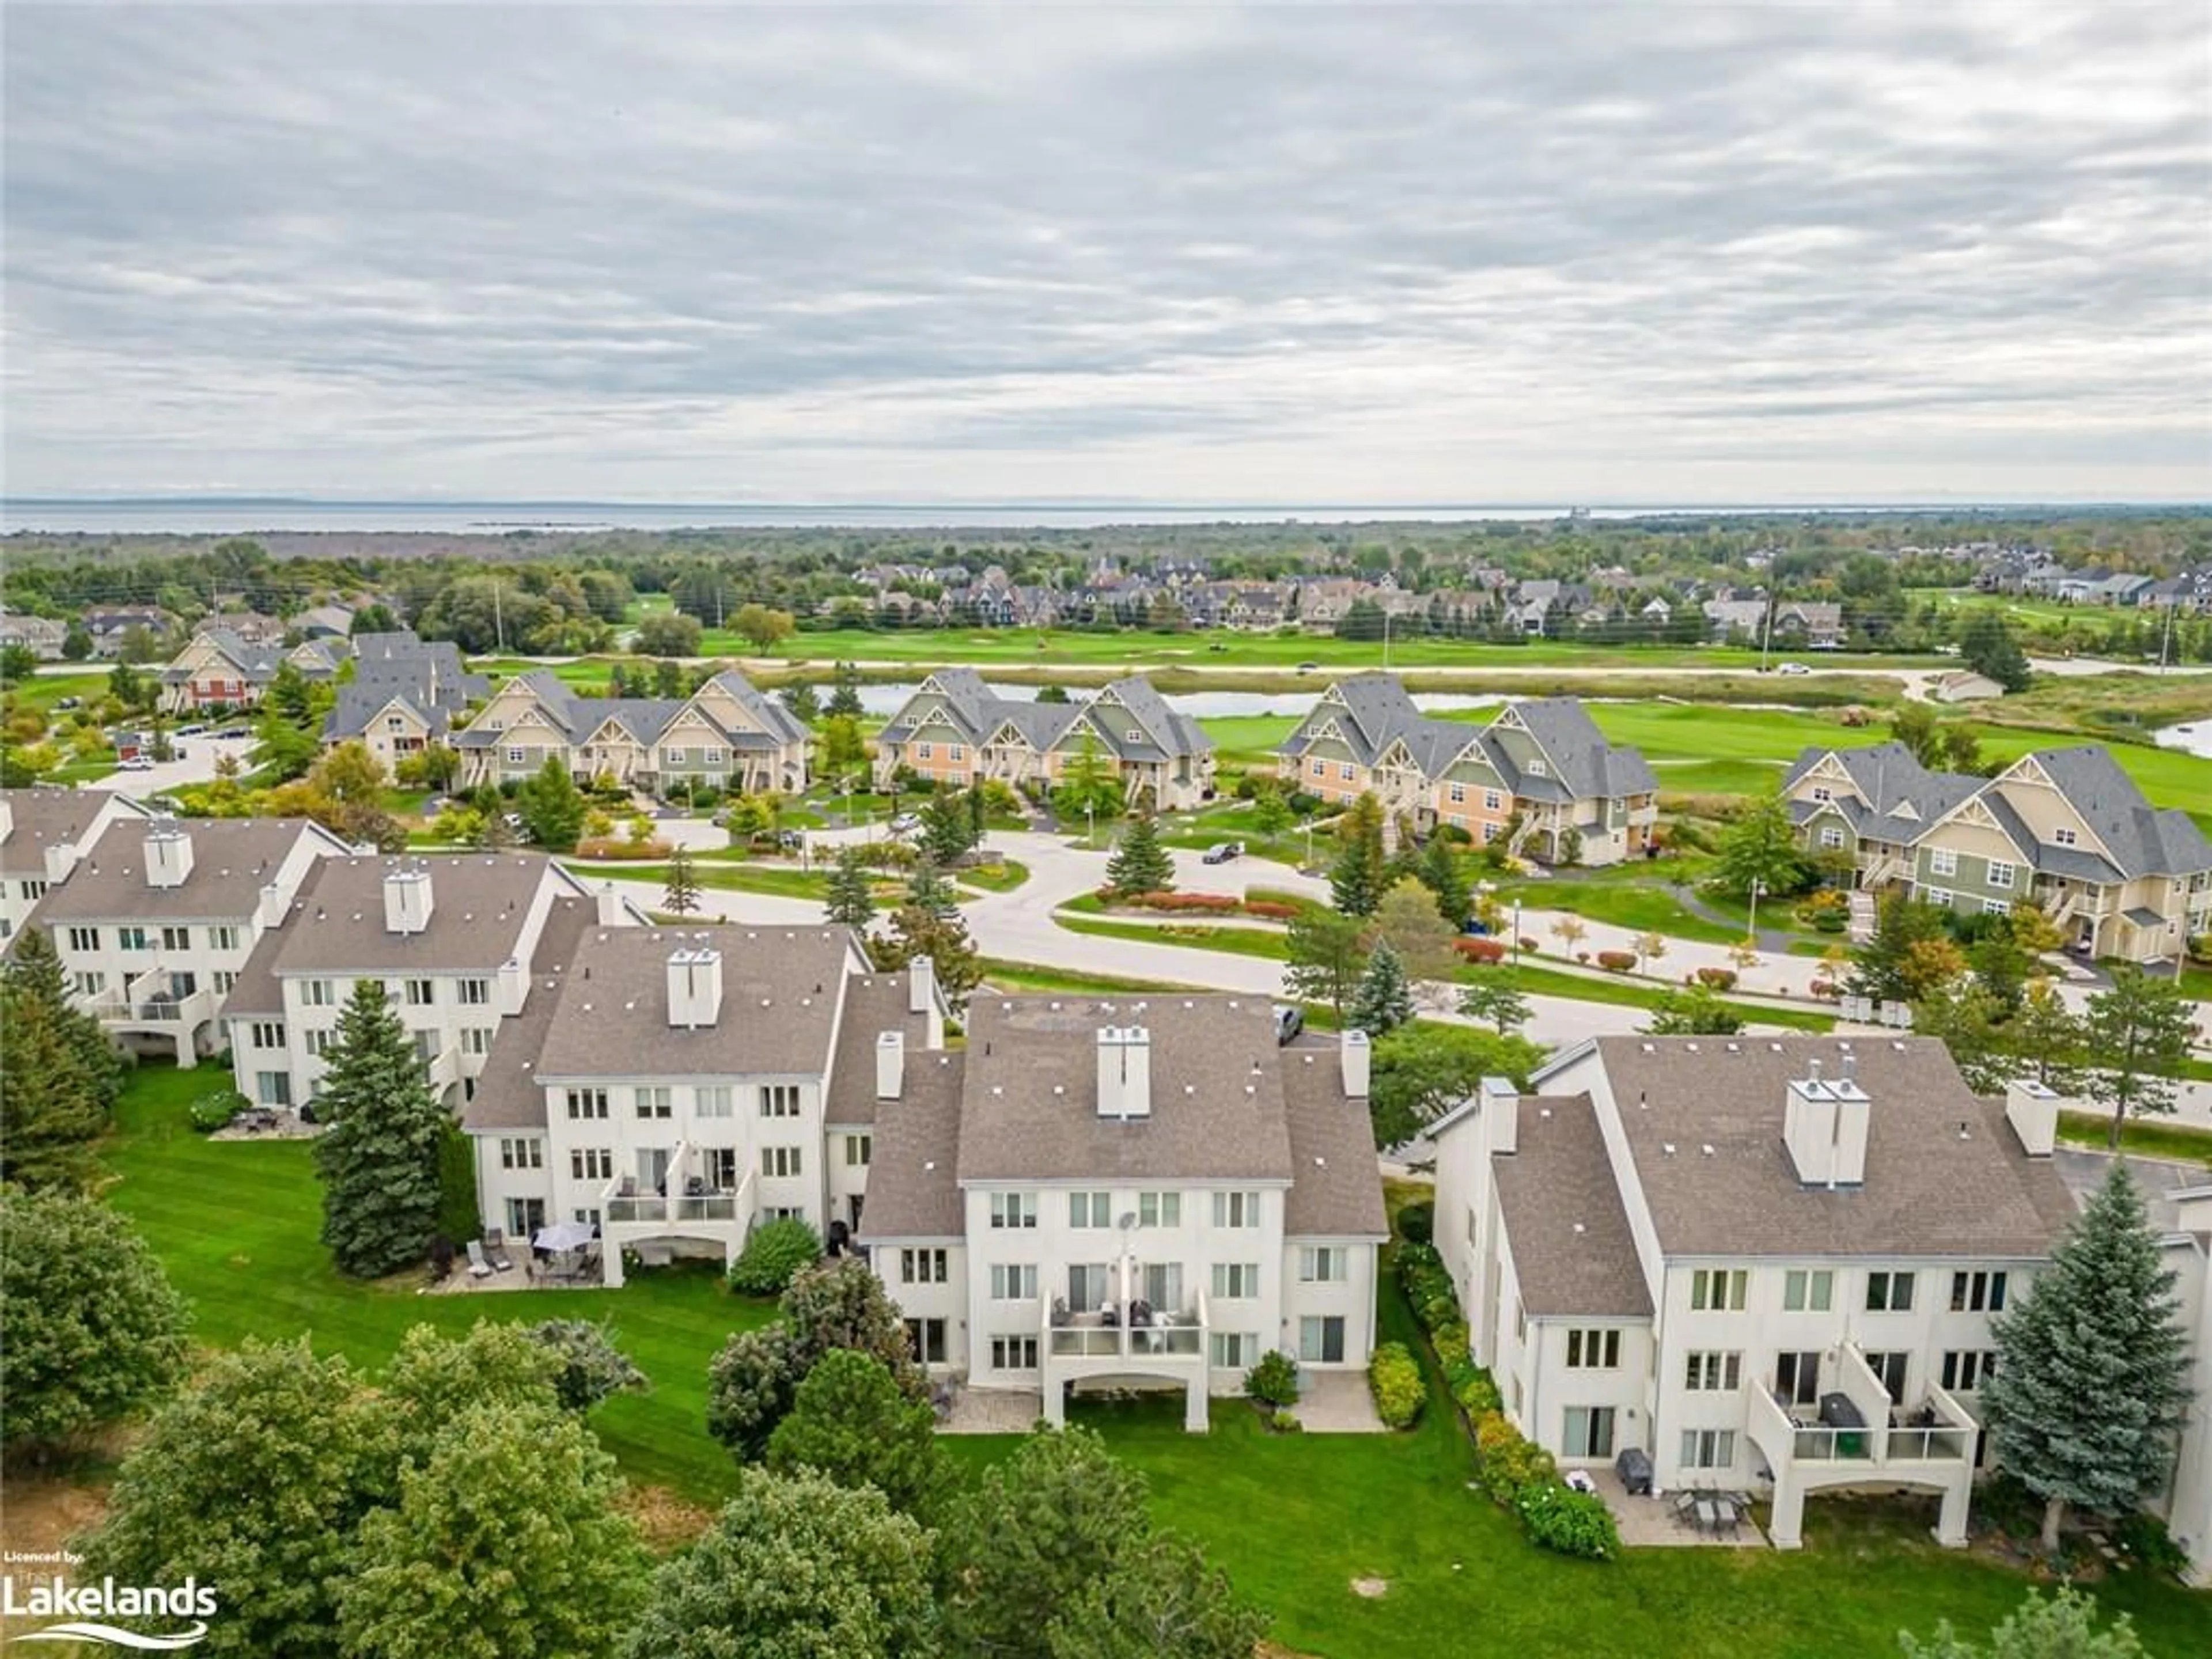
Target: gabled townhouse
[[218, 670], [41, 636], [2064, 829], [1108, 1194], [324, 622], [107, 624], [457, 942], [1543, 759], [674, 1088], [1817, 625], [1727, 618], [728, 733], [43, 833], [405, 695], [155, 921], [956, 730], [1764, 1263], [250, 626]]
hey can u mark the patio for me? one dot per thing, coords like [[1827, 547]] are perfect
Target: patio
[[1337, 1402], [991, 1411], [1656, 1523]]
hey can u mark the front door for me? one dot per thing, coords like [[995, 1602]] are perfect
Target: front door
[[1797, 1378]]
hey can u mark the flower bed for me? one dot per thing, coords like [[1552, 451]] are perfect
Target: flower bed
[[1480, 950]]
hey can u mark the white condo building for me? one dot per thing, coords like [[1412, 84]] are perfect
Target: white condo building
[[42, 834]]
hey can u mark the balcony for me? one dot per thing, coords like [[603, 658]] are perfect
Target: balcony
[[690, 1207], [1112, 1335], [155, 1004], [1127, 1340]]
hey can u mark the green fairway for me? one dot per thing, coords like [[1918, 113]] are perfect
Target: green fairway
[[781, 881]]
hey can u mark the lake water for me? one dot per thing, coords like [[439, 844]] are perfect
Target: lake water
[[885, 700], [2194, 737]]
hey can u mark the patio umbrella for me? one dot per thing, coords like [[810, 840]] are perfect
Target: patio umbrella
[[563, 1236]]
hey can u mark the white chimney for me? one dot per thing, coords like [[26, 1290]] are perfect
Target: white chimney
[[1356, 1055], [1824, 1124], [695, 989], [921, 986], [514, 985], [168, 855], [891, 1065], [61, 858], [7, 820], [1501, 1107], [1125, 1071], [1854, 1117], [611, 906], [2033, 1110], [272, 905], [407, 899]]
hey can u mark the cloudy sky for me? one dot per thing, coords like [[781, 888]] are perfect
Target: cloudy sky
[[1638, 253]]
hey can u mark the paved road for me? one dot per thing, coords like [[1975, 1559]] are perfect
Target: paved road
[[197, 766]]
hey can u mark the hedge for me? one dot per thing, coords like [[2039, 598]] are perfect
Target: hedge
[[1394, 1377], [1616, 962], [616, 849], [1720, 979], [1271, 910], [1416, 1222]]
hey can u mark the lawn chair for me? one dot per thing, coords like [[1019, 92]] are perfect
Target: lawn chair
[[478, 1267], [495, 1249]]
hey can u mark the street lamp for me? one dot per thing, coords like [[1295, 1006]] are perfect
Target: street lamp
[[1516, 933], [1758, 886], [1310, 863]]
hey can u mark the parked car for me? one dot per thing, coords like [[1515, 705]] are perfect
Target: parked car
[[1290, 1020], [232, 734], [1308, 667], [191, 731], [1222, 851], [905, 823], [136, 763], [1794, 668], [67, 703]]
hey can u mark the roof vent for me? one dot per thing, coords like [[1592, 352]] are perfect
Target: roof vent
[[1667, 1147], [1650, 1048], [1707, 1149]]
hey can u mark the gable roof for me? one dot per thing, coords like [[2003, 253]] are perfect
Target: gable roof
[[1573, 1251], [479, 903], [232, 859], [42, 818], [2142, 840]]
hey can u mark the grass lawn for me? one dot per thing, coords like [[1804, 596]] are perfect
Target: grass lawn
[[2146, 1138], [1633, 895], [733, 878], [1001, 878], [42, 691]]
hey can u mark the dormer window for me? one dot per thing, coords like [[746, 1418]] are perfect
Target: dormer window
[[1133, 736], [1535, 769], [1821, 793], [2064, 837]]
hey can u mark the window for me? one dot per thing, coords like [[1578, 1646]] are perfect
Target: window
[[524, 1216], [1805, 1291], [1719, 1290], [1708, 1448], [176, 938], [1797, 1378], [1013, 1282], [1714, 1373], [592, 1163], [2063, 838], [316, 1041], [656, 1100], [588, 1103], [927, 1338], [1457, 793], [1822, 792], [779, 1100], [33, 891], [473, 993], [712, 1100], [1977, 1292], [1323, 1264], [476, 1039], [1889, 1293], [1090, 1284], [1321, 768], [1593, 1351], [91, 985], [1891, 1368], [923, 1266], [1492, 801], [1831, 837], [1941, 897], [1162, 1285], [2001, 875], [133, 939], [1320, 1339], [421, 993], [222, 939], [84, 939], [1013, 1209], [267, 1034], [317, 992], [783, 1212], [224, 980], [1589, 1432], [955, 753], [1997, 907], [923, 750], [588, 1215], [1968, 1368], [1159, 1209], [1088, 1210], [1232, 1350], [522, 1152], [1535, 768], [1344, 771], [1235, 1281], [514, 756], [780, 1162], [710, 757], [1236, 1209], [273, 1088], [1013, 1353], [1942, 861]]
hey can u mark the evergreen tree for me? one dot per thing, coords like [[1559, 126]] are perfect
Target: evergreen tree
[[1439, 871], [2048, 1039], [845, 692], [1986, 645], [552, 808], [851, 1420], [850, 900], [802, 703], [1327, 953], [1761, 846], [1160, 1600], [1140, 864], [928, 890], [60, 1075], [1087, 786], [944, 835], [1356, 880], [378, 1155], [681, 896], [2088, 1386], [1383, 1002], [2064, 1627], [2138, 1033]]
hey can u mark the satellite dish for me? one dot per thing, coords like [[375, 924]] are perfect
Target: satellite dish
[[1128, 1220]]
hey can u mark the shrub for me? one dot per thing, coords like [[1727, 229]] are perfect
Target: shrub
[[2200, 948], [608, 846], [1477, 1396], [212, 1112], [1460, 1370], [1214, 904], [1526, 943], [1558, 1517], [1823, 987], [1416, 1222], [1720, 979], [2144, 1536], [1274, 1381], [1271, 910], [1509, 1461], [776, 1250], [1582, 955], [1283, 1422], [1394, 1377], [1451, 1337], [1480, 950], [1616, 962]]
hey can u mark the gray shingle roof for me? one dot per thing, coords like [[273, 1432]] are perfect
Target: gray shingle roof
[[780, 991], [479, 901], [2142, 841], [1573, 1251], [508, 1095], [1928, 1191], [1336, 1191], [874, 1004], [232, 859], [40, 818], [913, 1192]]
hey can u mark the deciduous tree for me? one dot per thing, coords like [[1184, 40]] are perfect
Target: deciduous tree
[[1326, 954], [944, 939], [1695, 1011], [762, 627], [1420, 1074], [1495, 999], [1761, 847], [552, 807], [1408, 922], [2064, 1627], [2137, 1034]]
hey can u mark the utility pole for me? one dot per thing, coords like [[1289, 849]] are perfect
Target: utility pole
[[1766, 630], [498, 625], [2165, 639]]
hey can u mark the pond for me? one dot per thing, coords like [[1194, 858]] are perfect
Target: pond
[[885, 700], [2192, 737]]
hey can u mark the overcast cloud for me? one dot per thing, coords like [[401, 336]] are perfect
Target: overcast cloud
[[1511, 254]]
